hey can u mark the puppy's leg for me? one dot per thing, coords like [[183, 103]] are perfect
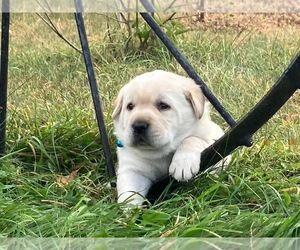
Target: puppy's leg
[[186, 160], [132, 186]]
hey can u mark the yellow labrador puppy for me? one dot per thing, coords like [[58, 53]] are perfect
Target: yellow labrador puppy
[[162, 125]]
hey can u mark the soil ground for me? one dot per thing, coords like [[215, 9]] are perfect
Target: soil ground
[[263, 21]]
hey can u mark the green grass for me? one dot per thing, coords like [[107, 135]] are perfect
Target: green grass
[[52, 133]]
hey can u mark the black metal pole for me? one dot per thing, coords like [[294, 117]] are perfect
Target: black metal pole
[[4, 73], [148, 6], [93, 86], [276, 97], [188, 68]]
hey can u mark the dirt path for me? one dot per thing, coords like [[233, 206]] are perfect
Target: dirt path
[[241, 21]]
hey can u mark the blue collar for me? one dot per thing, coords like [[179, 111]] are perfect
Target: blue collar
[[119, 143]]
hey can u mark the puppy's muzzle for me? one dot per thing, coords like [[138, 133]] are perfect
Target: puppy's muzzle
[[140, 133], [140, 128]]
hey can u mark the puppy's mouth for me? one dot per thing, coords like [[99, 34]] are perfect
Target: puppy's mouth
[[141, 141]]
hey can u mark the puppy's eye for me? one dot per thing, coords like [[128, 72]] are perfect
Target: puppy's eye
[[163, 106], [130, 106]]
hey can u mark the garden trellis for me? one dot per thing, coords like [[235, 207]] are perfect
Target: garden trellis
[[240, 132]]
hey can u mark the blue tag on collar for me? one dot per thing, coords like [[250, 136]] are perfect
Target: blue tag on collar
[[119, 143]]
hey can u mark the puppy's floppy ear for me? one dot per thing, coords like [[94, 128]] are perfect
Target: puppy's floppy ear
[[118, 102], [196, 98]]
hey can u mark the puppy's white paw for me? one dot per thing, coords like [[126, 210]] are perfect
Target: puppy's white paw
[[185, 165]]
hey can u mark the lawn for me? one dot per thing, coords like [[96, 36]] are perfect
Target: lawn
[[53, 181]]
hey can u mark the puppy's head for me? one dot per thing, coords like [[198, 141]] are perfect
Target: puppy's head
[[156, 110]]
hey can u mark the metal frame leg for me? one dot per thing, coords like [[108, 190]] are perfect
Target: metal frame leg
[[90, 73], [4, 73], [188, 68], [283, 89], [94, 89]]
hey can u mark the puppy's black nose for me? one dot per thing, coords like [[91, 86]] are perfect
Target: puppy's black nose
[[140, 127]]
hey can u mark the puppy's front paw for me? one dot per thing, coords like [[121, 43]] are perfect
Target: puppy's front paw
[[185, 165]]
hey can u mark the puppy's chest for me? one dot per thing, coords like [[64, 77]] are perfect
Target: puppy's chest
[[153, 167], [161, 166], [156, 168]]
